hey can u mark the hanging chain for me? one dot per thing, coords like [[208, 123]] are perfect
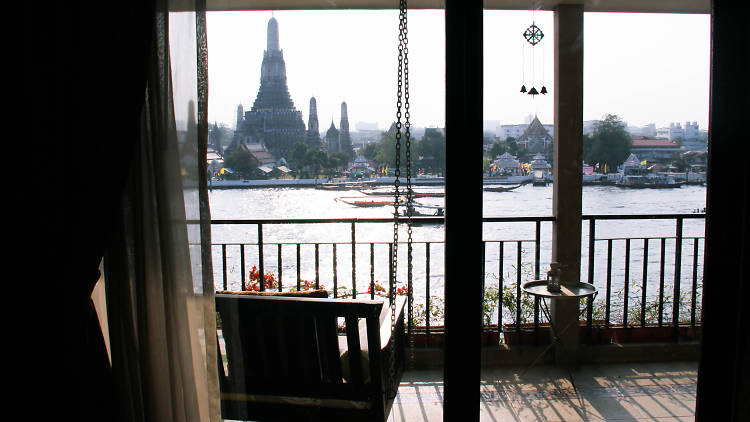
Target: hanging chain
[[402, 93], [409, 192], [397, 172]]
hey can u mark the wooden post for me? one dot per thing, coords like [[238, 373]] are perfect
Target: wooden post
[[567, 188]]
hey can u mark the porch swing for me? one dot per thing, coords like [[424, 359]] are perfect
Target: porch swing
[[283, 353]]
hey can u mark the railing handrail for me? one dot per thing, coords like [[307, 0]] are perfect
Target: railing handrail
[[438, 219], [610, 313]]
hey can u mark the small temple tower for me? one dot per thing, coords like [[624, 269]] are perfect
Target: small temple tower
[[240, 116], [333, 139], [345, 140], [313, 130]]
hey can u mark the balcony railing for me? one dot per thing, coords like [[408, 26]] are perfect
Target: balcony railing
[[638, 286]]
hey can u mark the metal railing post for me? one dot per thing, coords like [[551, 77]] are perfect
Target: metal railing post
[[279, 260], [261, 273], [242, 265], [644, 283], [677, 280], [335, 273], [590, 300], [354, 262]]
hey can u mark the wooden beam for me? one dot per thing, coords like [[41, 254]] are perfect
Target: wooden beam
[[568, 185]]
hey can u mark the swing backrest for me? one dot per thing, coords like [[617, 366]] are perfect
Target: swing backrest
[[283, 357]]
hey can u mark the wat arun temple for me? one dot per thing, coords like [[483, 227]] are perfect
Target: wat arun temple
[[273, 122]]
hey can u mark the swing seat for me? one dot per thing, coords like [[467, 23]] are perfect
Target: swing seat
[[285, 358]]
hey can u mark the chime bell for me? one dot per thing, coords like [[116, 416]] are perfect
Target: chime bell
[[533, 91], [523, 89], [544, 89]]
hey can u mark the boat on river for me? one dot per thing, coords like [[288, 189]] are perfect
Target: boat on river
[[368, 202], [415, 194], [341, 186], [417, 222], [643, 182], [502, 188]]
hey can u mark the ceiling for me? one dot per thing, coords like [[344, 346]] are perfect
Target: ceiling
[[632, 6]]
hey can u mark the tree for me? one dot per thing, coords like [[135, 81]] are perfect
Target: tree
[[511, 145], [335, 162], [497, 149], [431, 149], [609, 144], [242, 161], [298, 158], [680, 161], [386, 148], [370, 150], [218, 135]]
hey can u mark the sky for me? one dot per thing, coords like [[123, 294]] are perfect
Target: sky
[[646, 68]]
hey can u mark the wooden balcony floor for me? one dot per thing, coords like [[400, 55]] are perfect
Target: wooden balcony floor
[[606, 392]]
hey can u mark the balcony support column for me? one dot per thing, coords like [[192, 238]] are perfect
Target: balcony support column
[[568, 164], [463, 210]]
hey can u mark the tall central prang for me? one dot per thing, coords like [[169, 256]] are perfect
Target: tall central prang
[[273, 120]]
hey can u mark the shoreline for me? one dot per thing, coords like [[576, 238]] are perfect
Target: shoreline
[[602, 180], [380, 181]]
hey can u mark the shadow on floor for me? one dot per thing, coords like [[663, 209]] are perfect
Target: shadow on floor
[[620, 392]]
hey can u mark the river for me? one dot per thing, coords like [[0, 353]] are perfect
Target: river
[[527, 200]]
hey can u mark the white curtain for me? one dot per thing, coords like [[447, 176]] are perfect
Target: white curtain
[[160, 293]]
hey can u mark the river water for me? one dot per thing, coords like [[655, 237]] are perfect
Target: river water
[[527, 200]]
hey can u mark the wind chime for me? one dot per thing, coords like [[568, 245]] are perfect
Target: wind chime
[[533, 35]]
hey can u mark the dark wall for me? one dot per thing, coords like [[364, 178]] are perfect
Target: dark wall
[[83, 80], [724, 372]]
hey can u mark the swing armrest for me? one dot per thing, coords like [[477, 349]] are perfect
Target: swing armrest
[[385, 319]]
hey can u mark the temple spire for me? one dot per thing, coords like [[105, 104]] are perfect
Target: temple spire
[[345, 140], [273, 35]]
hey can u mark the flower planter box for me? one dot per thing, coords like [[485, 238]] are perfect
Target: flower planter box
[[436, 338], [601, 335]]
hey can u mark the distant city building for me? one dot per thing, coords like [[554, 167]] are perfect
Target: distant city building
[[672, 132], [649, 130], [506, 131], [654, 149], [689, 132], [695, 145]]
